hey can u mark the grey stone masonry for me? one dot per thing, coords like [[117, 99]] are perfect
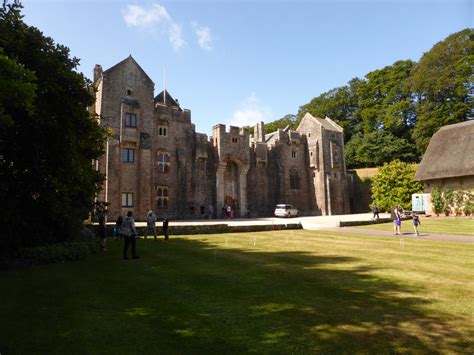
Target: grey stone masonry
[[155, 160]]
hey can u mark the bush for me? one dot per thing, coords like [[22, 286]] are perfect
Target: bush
[[57, 253], [448, 198], [437, 201], [394, 185]]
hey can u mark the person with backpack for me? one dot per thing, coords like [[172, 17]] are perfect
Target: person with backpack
[[150, 224], [129, 233], [396, 216]]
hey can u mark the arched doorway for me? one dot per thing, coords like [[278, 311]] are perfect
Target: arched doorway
[[232, 186]]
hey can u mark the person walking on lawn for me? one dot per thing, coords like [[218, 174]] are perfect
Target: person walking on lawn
[[150, 224], [165, 229], [416, 223], [397, 220], [129, 233], [102, 230]]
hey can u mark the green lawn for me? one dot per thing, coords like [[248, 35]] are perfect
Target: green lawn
[[270, 292], [441, 225]]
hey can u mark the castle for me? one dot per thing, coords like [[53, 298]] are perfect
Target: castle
[[156, 160]]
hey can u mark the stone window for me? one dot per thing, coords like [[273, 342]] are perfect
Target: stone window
[[335, 156], [162, 199], [317, 156], [128, 155], [163, 131], [309, 134], [235, 140], [130, 119], [293, 153], [294, 180], [127, 199], [163, 162]]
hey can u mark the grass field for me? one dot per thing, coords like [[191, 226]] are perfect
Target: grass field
[[270, 292], [434, 225]]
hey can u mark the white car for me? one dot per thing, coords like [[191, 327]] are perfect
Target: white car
[[285, 210]]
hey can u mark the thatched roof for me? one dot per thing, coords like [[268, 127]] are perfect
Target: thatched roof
[[449, 154]]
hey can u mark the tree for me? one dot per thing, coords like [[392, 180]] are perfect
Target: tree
[[443, 83], [394, 185], [48, 139], [376, 148], [386, 102]]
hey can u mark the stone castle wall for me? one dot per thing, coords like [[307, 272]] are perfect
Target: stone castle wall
[[179, 173]]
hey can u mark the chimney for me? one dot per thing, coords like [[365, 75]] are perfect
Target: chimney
[[97, 72]]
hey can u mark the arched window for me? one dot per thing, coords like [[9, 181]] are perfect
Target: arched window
[[162, 199], [162, 131], [163, 162], [294, 180]]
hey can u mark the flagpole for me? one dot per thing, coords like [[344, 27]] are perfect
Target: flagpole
[[164, 84]]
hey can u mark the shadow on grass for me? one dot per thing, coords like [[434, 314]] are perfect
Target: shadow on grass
[[191, 297]]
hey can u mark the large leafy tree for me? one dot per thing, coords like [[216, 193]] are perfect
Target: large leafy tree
[[394, 185], [443, 81], [48, 139], [386, 102], [376, 148]]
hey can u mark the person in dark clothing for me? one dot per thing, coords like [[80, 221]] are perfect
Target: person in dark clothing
[[375, 208], [118, 225], [165, 229], [102, 231], [129, 233]]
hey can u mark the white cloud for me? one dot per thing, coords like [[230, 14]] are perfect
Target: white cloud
[[155, 20], [250, 112], [204, 35]]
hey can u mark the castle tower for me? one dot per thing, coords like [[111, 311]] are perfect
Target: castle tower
[[232, 165]]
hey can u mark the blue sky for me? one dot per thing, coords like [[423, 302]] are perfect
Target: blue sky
[[239, 62]]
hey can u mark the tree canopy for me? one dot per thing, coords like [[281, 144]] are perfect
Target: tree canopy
[[48, 139], [443, 80], [393, 112]]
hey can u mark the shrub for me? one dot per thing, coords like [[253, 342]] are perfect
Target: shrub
[[447, 201], [437, 201], [56, 253], [394, 185]]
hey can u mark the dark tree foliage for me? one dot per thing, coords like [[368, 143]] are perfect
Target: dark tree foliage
[[48, 139], [444, 82], [376, 148], [386, 102], [393, 112]]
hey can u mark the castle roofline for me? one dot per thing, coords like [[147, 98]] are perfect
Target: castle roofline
[[132, 60], [326, 123], [159, 99]]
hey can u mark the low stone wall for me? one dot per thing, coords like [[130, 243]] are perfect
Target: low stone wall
[[365, 223], [209, 229]]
